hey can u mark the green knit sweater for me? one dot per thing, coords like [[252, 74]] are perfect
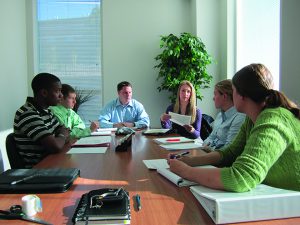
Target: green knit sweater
[[265, 152]]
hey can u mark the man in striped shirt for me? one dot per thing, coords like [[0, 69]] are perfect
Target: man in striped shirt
[[37, 132]]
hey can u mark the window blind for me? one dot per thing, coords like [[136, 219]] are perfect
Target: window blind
[[69, 46]]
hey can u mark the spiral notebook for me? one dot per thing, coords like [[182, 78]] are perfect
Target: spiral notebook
[[95, 209]]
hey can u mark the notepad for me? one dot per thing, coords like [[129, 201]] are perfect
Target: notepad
[[153, 164], [87, 150], [174, 178], [182, 146], [94, 209]]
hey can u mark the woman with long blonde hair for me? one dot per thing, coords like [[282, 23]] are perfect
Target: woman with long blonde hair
[[186, 105]]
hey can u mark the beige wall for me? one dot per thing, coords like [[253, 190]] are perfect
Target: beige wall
[[13, 61]]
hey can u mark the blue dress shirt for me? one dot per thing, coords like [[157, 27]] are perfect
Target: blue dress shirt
[[225, 128], [115, 112]]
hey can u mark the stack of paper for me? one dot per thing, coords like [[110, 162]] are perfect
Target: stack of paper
[[90, 145], [178, 143], [101, 133], [262, 203], [93, 141], [173, 140], [155, 131]]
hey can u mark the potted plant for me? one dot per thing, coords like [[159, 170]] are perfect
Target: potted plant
[[82, 96], [183, 58]]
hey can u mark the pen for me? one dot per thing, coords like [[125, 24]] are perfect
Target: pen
[[176, 156], [23, 179], [173, 139], [138, 202]]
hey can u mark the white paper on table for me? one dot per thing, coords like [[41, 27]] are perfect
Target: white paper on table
[[155, 131], [181, 146], [93, 140], [88, 150], [101, 133], [180, 119], [107, 129]]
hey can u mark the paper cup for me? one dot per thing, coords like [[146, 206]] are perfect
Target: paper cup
[[31, 204]]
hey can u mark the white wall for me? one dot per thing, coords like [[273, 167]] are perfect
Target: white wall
[[131, 34], [210, 25], [13, 62], [131, 30], [290, 49]]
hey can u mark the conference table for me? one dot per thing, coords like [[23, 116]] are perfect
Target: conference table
[[162, 201]]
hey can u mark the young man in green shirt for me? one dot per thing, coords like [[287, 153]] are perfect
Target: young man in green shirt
[[68, 117]]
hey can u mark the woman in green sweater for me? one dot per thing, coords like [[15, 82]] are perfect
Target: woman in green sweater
[[267, 148]]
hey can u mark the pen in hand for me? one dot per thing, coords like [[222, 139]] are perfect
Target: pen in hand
[[176, 156], [138, 202], [23, 179]]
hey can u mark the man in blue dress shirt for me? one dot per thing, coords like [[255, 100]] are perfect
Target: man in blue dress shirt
[[228, 122], [124, 111]]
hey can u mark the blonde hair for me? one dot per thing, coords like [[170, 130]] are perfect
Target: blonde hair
[[191, 107], [225, 87]]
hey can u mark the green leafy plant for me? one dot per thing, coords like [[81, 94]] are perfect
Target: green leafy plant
[[82, 96], [183, 58]]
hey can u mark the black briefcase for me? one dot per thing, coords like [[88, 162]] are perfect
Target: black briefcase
[[50, 180]]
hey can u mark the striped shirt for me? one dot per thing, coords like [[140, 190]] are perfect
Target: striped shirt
[[31, 124]]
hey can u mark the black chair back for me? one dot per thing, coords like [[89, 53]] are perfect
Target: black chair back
[[206, 128], [13, 155]]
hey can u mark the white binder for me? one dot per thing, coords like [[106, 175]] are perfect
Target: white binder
[[262, 203]]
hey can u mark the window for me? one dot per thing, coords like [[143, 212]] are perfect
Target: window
[[69, 46], [258, 31]]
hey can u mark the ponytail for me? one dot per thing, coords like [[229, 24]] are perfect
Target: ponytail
[[277, 99]]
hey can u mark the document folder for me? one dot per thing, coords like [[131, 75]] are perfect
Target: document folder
[[48, 180]]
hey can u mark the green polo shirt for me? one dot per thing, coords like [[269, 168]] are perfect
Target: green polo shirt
[[70, 119]]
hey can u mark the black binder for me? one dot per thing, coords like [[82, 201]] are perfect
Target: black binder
[[50, 180], [111, 209]]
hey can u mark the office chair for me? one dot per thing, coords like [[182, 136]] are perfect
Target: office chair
[[206, 128], [14, 158]]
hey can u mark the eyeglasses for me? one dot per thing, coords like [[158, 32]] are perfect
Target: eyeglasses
[[96, 202]]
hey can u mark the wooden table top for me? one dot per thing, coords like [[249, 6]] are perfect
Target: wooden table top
[[162, 201]]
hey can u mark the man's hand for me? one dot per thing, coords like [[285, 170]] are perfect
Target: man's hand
[[63, 131], [118, 125], [124, 124], [94, 126], [128, 124]]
